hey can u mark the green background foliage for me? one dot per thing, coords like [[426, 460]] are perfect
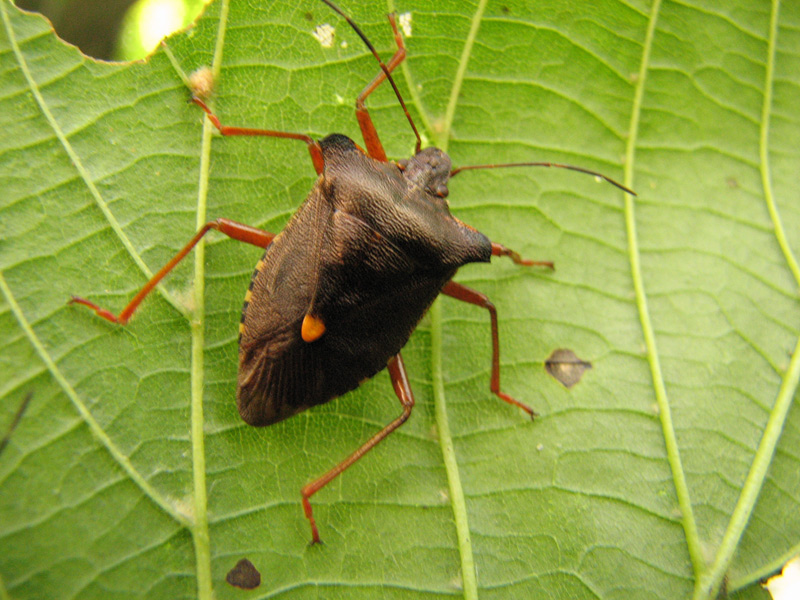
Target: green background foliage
[[637, 483]]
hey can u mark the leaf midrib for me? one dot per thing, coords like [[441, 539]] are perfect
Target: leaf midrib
[[456, 489]]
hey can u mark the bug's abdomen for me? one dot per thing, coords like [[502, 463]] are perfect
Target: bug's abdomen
[[286, 375], [368, 295]]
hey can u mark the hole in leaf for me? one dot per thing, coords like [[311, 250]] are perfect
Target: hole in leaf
[[565, 366]]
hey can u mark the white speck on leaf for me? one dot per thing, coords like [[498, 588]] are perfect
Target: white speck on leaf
[[405, 23], [324, 34]]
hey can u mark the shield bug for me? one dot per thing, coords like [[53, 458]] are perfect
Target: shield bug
[[339, 291]]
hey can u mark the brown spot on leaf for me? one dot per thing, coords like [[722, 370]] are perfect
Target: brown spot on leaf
[[566, 367], [244, 575]]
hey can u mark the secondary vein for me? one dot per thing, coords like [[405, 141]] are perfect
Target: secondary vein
[[78, 164], [664, 409], [710, 584], [84, 411], [766, 179]]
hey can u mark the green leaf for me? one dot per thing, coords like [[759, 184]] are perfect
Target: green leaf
[[671, 466]]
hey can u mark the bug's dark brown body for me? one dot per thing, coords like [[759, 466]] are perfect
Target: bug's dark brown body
[[367, 253], [338, 293]]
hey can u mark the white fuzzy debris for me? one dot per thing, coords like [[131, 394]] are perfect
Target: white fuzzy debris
[[324, 34], [405, 23], [201, 82], [344, 44]]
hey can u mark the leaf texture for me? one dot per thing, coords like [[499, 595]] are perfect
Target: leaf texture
[[670, 470]]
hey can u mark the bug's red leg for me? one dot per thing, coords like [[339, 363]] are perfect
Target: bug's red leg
[[234, 230], [465, 294], [313, 146], [397, 371], [374, 146], [368, 132], [500, 250]]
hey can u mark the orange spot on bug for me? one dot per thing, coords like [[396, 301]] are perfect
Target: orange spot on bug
[[312, 328]]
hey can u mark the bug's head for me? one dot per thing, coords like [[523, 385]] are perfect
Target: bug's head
[[429, 170]]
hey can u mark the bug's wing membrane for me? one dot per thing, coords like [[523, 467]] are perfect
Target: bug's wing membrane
[[273, 388], [277, 377]]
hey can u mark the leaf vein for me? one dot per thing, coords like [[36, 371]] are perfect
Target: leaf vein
[[84, 412], [665, 414], [75, 159]]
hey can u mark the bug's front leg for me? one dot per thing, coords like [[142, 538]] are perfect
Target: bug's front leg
[[397, 372], [368, 132]]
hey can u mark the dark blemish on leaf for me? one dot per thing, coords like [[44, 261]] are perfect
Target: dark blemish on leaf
[[505, 10], [15, 421], [309, 16], [566, 367], [244, 575], [732, 183]]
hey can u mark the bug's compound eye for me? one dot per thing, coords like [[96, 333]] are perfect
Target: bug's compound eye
[[442, 191]]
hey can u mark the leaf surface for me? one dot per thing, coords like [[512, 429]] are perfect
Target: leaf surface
[[132, 475]]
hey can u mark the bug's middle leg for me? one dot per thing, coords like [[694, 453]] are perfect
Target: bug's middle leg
[[234, 230], [397, 371], [465, 294]]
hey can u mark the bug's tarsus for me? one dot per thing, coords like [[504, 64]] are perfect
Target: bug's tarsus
[[458, 170], [386, 70], [500, 250]]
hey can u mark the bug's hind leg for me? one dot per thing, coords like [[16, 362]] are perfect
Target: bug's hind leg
[[397, 371]]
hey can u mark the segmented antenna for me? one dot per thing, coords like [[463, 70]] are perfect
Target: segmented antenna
[[458, 170]]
